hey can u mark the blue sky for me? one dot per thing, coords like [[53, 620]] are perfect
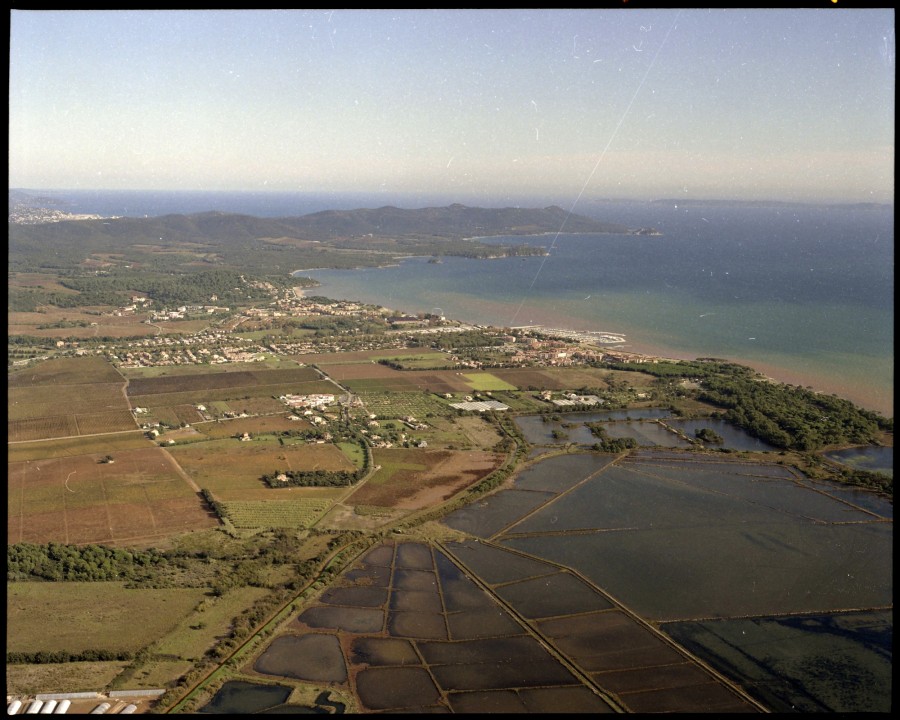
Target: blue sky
[[617, 103]]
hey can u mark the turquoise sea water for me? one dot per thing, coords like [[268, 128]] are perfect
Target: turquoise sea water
[[803, 294]]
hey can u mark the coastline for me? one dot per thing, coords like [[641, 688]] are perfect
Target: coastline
[[479, 311], [868, 399]]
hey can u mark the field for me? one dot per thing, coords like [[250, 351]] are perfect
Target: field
[[403, 404], [253, 425], [354, 357], [477, 431], [78, 323], [274, 363], [66, 371], [45, 281], [293, 513], [56, 425], [362, 373], [212, 617], [195, 381], [25, 403], [61, 677], [232, 469], [414, 479], [487, 381], [139, 499], [89, 616], [69, 447], [171, 396], [65, 397], [237, 397], [418, 361]]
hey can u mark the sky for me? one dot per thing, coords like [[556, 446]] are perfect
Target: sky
[[793, 104]]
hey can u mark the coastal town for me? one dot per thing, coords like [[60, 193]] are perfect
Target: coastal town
[[224, 339]]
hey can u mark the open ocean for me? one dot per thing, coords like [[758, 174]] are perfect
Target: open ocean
[[802, 293]]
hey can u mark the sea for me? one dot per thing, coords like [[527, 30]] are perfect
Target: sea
[[803, 293]]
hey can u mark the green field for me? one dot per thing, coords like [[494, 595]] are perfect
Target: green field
[[403, 404], [354, 452], [197, 631], [420, 361], [76, 616], [293, 513], [272, 363], [390, 467], [483, 381], [232, 469]]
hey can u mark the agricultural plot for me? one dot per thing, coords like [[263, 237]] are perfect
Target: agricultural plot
[[554, 378], [238, 395], [22, 679], [232, 469], [414, 479], [45, 281], [368, 376], [483, 381], [218, 380], [89, 616], [353, 357], [54, 400], [274, 363], [88, 326], [293, 513], [259, 425], [137, 499], [172, 416], [48, 400], [66, 371], [479, 432], [105, 422], [61, 426], [440, 381], [69, 447], [403, 404], [345, 372], [188, 641], [395, 385], [41, 428], [420, 361]]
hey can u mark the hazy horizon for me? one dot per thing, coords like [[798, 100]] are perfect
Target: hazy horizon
[[447, 199], [791, 105]]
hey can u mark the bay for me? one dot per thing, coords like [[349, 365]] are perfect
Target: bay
[[802, 293]]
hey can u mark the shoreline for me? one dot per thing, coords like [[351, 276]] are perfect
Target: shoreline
[[867, 398], [870, 400]]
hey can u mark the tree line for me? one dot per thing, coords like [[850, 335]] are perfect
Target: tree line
[[46, 657], [312, 478], [91, 563]]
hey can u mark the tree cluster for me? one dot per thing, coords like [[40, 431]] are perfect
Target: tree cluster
[[47, 657], [607, 444], [59, 562], [312, 478], [785, 416]]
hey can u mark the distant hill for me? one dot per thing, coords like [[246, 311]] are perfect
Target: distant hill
[[42, 238], [452, 222], [456, 221]]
